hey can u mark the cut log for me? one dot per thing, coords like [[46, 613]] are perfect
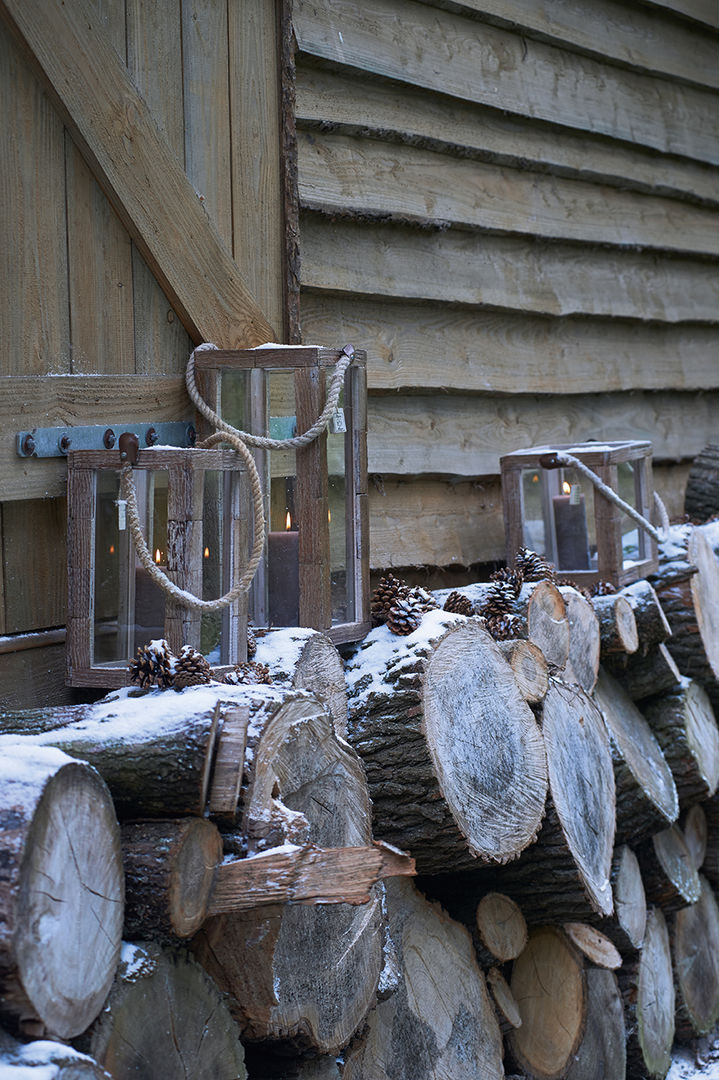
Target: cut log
[[542, 605], [701, 499], [694, 827], [307, 660], [165, 1017], [602, 1054], [61, 891], [617, 624], [170, 868], [686, 729], [455, 760], [647, 797], [644, 676], [652, 624], [626, 929], [549, 987], [566, 873], [505, 1006], [710, 866], [584, 639], [694, 933], [529, 665], [501, 929], [594, 945], [440, 1021], [647, 986], [306, 974], [46, 1060], [670, 880]]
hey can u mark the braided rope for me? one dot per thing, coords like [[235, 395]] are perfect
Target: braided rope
[[261, 441], [563, 458]]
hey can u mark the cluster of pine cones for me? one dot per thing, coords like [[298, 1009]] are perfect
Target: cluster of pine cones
[[155, 665], [498, 610], [401, 607]]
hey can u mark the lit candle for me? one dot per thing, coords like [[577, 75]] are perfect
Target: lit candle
[[283, 575], [570, 523]]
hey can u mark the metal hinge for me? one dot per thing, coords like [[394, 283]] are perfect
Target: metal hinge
[[59, 441]]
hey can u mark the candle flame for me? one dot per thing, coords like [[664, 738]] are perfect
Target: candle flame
[[158, 555], [566, 488], [288, 521], [207, 553], [329, 516], [112, 549]]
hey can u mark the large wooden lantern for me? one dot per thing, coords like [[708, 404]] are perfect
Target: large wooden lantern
[[193, 508], [553, 508], [316, 569]]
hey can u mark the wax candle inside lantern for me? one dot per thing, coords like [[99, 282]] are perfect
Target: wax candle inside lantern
[[570, 523], [283, 575], [149, 604]]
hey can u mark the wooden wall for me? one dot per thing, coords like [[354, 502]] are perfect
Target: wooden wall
[[514, 208]]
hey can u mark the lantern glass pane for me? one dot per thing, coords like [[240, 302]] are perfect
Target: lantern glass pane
[[535, 532], [341, 577], [283, 567], [633, 539], [215, 544], [573, 521]]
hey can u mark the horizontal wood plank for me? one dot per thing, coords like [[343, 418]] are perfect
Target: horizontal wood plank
[[340, 173], [505, 272], [425, 345], [450, 54], [466, 436], [703, 11], [115, 131], [357, 104]]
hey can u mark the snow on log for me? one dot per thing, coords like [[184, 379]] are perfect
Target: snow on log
[[647, 797], [307, 660], [61, 890], [44, 1059], [454, 757], [582, 665], [686, 729], [647, 986], [439, 1022], [694, 935], [601, 1055], [670, 880], [617, 624]]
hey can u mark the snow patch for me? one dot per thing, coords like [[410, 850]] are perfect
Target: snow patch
[[280, 650], [135, 963], [24, 764]]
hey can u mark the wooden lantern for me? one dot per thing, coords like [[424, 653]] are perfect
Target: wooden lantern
[[316, 569], [558, 512], [194, 512]]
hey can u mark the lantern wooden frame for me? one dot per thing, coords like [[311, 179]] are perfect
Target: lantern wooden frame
[[184, 553], [603, 459], [312, 367]]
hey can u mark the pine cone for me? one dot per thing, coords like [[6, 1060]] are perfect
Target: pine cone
[[508, 576], [533, 566], [191, 669], [389, 589], [405, 615], [251, 644], [500, 599], [153, 665], [503, 627], [586, 593], [247, 674], [458, 604], [602, 588], [425, 599]]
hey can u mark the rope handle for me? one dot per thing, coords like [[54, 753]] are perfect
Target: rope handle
[[561, 457]]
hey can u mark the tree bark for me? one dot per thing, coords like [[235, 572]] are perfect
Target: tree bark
[[307, 660], [584, 639], [670, 881], [626, 928], [647, 987], [602, 1054], [652, 624], [694, 827], [169, 872], [549, 986], [529, 665], [455, 760], [165, 1017], [647, 797], [686, 729], [439, 1022], [61, 891], [299, 973], [617, 624], [644, 676], [694, 933], [701, 498]]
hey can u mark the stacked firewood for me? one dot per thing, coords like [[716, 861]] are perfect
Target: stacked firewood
[[190, 886]]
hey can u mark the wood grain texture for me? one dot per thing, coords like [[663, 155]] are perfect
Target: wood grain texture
[[34, 564], [342, 173], [452, 55], [703, 11]]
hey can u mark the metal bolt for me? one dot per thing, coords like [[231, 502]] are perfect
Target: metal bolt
[[151, 437], [28, 445], [64, 443], [108, 439]]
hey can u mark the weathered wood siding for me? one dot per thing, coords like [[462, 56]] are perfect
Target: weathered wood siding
[[514, 208]]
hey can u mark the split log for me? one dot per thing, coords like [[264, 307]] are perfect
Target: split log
[[602, 1054], [529, 665], [584, 639], [566, 873], [549, 986], [669, 878], [647, 986], [644, 676], [306, 974], [694, 827], [170, 868], [454, 757], [647, 797], [652, 624], [701, 498], [617, 624], [440, 1021], [686, 729], [45, 1060], [164, 1017], [61, 891], [593, 944], [694, 936], [307, 660], [501, 929], [505, 1006], [626, 929]]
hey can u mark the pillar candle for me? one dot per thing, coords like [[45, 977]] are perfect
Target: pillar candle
[[283, 578], [570, 523]]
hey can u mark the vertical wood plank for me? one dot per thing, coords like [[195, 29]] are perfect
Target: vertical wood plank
[[35, 335], [2, 578], [34, 564], [258, 233]]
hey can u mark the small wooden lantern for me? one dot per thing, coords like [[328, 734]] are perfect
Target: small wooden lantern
[[556, 511], [316, 569], [194, 509]]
